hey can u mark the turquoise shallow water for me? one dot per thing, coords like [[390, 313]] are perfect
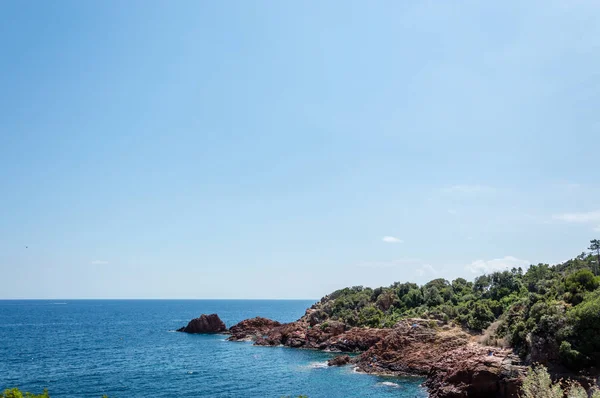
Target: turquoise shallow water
[[127, 348]]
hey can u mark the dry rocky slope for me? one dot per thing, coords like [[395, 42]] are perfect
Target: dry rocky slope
[[453, 364]]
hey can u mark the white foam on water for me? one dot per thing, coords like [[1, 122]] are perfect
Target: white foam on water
[[388, 384], [318, 365]]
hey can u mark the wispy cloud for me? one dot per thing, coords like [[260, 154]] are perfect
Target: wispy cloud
[[99, 262], [498, 264], [468, 189], [391, 239], [426, 269], [583, 217], [452, 211]]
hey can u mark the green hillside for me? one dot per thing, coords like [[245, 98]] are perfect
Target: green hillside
[[548, 313]]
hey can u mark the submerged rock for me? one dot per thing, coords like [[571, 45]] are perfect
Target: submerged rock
[[205, 324], [339, 360]]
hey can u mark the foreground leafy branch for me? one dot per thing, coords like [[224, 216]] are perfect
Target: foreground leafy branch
[[538, 384], [16, 393]]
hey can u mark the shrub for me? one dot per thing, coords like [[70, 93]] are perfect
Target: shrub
[[537, 384], [570, 357], [16, 393]]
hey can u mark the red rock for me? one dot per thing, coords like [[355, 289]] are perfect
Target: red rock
[[205, 324], [339, 360], [455, 367], [470, 371], [251, 329]]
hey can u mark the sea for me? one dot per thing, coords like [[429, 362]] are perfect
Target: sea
[[128, 348]]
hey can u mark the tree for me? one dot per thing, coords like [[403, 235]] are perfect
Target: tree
[[582, 280], [480, 316], [595, 246], [413, 298], [585, 318], [432, 296]]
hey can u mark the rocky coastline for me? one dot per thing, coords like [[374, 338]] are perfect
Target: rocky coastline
[[454, 365]]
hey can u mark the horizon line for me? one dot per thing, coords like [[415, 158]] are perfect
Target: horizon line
[[154, 298]]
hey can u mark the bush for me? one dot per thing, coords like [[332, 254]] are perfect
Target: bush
[[480, 316], [570, 357], [370, 316], [16, 393], [586, 326], [537, 384]]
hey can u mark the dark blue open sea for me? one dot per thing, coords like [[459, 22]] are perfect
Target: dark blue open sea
[[127, 348]]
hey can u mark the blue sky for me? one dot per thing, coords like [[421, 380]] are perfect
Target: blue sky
[[267, 149]]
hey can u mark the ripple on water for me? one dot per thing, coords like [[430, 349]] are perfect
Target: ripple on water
[[124, 349]]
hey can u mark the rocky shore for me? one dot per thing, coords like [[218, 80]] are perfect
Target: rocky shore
[[455, 366]]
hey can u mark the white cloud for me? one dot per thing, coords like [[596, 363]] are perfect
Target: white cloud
[[99, 262], [498, 264], [391, 239], [468, 189], [584, 217], [426, 269], [452, 211]]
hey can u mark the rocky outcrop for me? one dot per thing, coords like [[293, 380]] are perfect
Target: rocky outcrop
[[475, 371], [356, 339], [329, 336], [413, 346], [455, 366], [339, 360], [251, 329], [205, 324]]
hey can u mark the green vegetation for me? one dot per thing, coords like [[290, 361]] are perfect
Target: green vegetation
[[547, 313], [538, 384], [16, 393]]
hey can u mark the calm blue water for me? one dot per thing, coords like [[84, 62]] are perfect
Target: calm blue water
[[126, 348]]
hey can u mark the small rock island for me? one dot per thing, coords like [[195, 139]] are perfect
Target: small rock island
[[205, 324]]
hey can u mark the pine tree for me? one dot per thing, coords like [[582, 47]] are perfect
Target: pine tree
[[595, 246]]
